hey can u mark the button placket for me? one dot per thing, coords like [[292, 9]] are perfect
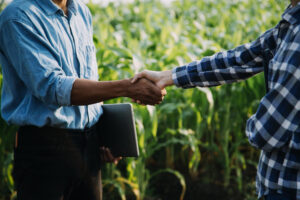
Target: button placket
[[76, 48], [79, 60]]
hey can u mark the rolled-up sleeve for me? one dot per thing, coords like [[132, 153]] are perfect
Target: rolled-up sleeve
[[63, 90], [36, 62]]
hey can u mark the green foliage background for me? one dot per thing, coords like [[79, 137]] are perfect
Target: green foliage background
[[193, 145]]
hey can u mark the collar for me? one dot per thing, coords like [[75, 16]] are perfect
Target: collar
[[292, 14], [73, 6], [51, 8]]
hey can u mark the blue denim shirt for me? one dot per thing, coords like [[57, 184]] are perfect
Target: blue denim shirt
[[42, 53]]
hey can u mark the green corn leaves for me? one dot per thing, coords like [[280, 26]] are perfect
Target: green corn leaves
[[195, 135]]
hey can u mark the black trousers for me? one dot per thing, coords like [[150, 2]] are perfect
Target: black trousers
[[57, 164]]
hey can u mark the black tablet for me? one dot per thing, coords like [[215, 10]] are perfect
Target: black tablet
[[117, 130]]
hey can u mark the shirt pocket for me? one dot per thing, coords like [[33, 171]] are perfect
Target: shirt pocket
[[88, 60], [91, 71]]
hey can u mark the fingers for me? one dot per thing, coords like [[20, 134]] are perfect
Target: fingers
[[145, 91], [135, 78], [116, 160], [161, 78], [152, 100], [107, 156], [138, 76], [153, 76], [153, 94]]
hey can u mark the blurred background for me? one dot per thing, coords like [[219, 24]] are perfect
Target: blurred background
[[193, 145]]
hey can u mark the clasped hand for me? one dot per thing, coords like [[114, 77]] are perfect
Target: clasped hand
[[150, 86]]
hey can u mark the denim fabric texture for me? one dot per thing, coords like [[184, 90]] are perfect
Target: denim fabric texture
[[42, 52]]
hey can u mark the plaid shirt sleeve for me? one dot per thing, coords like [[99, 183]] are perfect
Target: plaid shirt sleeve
[[278, 114], [225, 67]]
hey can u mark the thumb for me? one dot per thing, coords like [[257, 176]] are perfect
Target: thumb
[[164, 92], [137, 77], [161, 85]]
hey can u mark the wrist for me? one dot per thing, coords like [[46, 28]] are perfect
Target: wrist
[[126, 86], [167, 78]]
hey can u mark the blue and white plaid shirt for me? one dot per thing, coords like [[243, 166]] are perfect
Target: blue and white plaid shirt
[[275, 127]]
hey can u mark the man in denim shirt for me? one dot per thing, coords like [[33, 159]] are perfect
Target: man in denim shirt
[[51, 90], [275, 127]]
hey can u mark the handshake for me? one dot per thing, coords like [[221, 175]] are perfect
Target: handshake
[[148, 87]]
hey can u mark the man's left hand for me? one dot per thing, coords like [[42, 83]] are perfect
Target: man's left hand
[[106, 156]]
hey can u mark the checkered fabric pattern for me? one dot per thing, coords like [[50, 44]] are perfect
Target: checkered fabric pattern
[[275, 127]]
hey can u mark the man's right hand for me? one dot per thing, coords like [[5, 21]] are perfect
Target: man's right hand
[[143, 91], [161, 78], [146, 92]]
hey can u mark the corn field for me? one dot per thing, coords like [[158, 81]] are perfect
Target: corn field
[[193, 145]]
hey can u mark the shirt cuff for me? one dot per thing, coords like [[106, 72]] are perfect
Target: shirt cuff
[[181, 77], [63, 90]]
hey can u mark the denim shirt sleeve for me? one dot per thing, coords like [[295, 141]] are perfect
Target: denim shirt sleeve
[[36, 63]]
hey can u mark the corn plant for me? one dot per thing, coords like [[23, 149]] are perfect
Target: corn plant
[[196, 136]]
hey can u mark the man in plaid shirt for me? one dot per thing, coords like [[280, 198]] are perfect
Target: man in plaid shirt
[[275, 127]]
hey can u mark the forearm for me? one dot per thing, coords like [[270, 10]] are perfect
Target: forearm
[[229, 66], [86, 92], [206, 73]]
